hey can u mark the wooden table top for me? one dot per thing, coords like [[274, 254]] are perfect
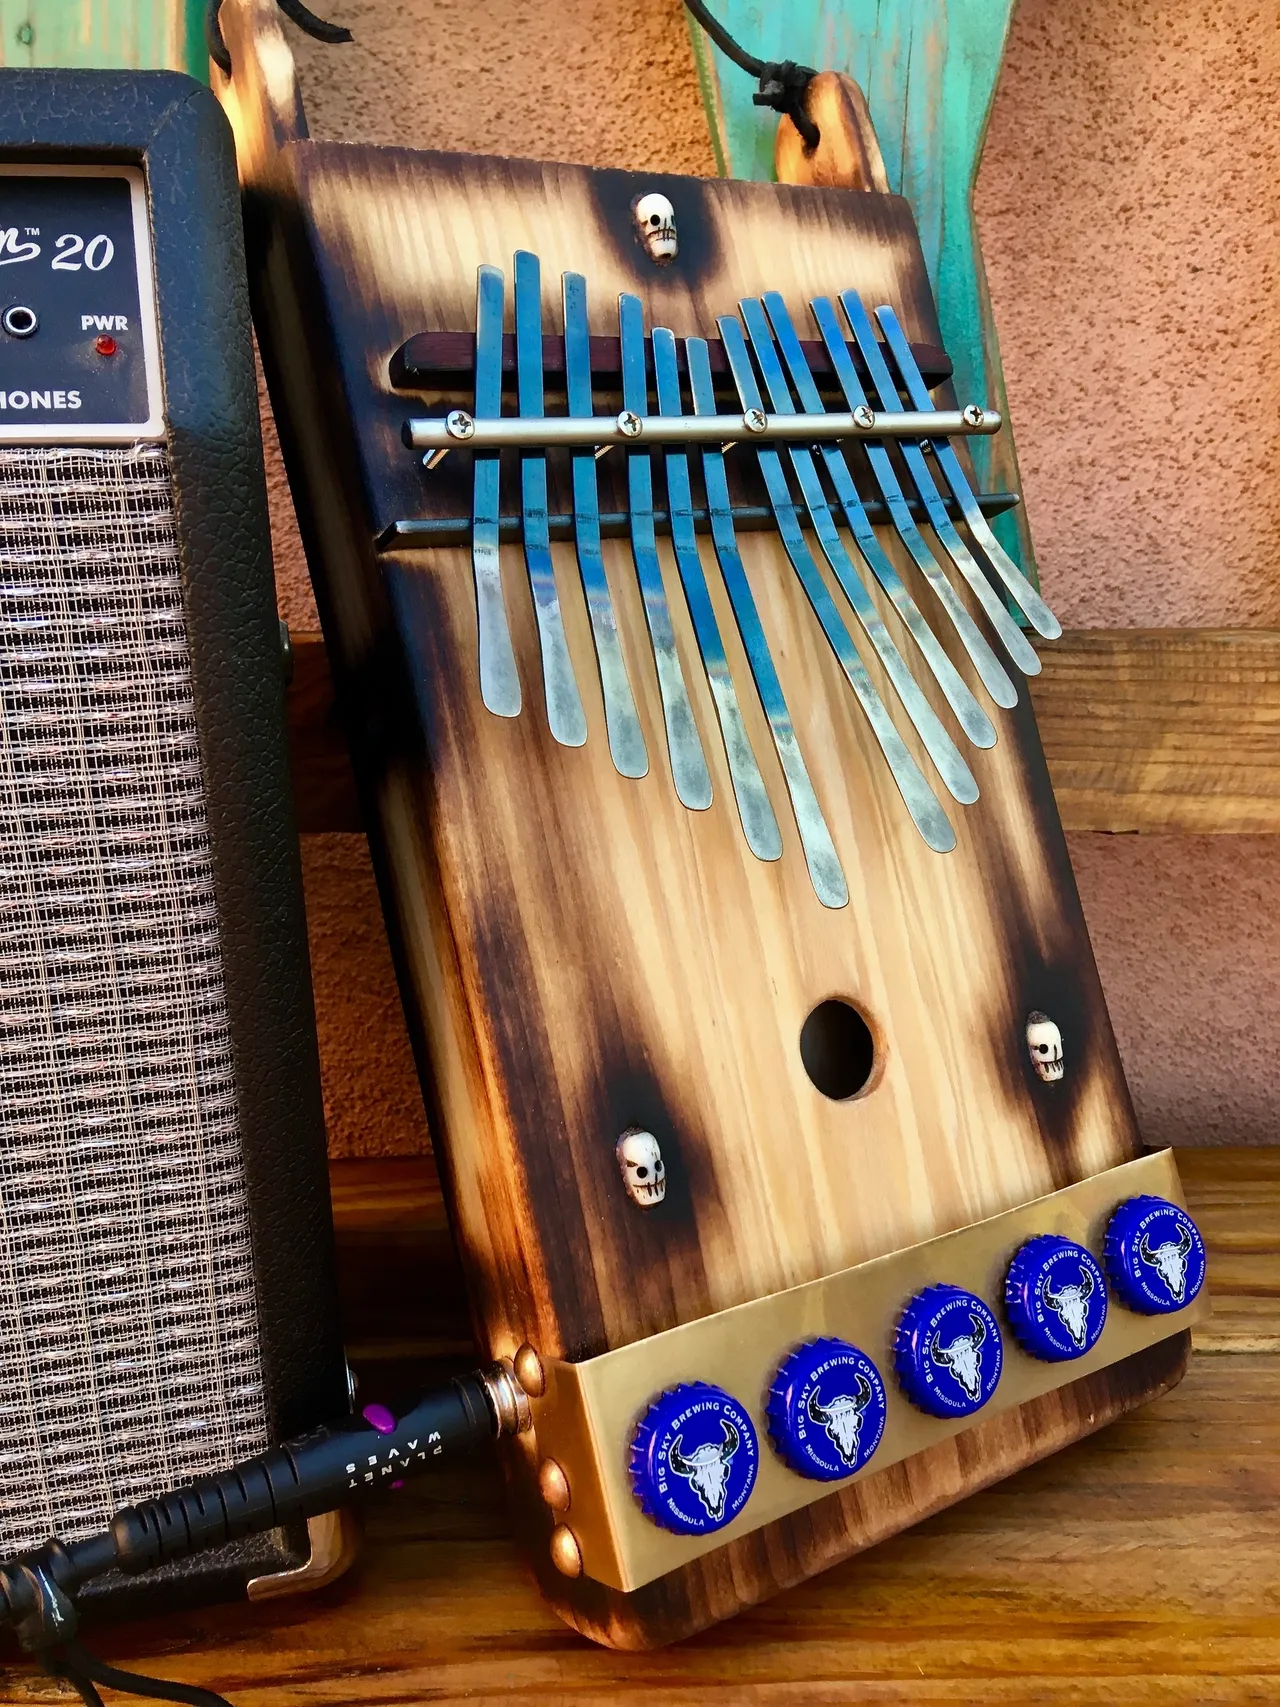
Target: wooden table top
[[1142, 1565]]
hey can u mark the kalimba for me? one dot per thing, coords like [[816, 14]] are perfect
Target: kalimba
[[782, 1124]]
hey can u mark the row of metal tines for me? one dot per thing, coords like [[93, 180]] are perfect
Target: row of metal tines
[[765, 331]]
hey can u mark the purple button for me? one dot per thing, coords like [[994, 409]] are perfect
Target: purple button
[[379, 1417]]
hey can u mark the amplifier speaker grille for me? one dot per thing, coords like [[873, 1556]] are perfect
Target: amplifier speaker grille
[[129, 1348]]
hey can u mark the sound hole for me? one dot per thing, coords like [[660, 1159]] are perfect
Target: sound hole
[[837, 1049]]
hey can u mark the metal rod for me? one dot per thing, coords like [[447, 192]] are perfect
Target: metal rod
[[994, 677], [565, 715], [461, 430], [860, 515], [499, 679], [433, 532], [759, 825], [1024, 594], [684, 744], [1013, 639], [918, 797], [951, 767], [825, 871], [626, 738]]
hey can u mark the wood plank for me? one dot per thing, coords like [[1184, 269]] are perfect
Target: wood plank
[[572, 937], [1163, 730], [390, 1218], [1138, 1566], [324, 788], [107, 34], [1234, 1194]]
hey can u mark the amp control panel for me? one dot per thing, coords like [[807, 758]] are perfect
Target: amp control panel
[[79, 355]]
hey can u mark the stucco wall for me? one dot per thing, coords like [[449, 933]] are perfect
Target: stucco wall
[[1128, 202]]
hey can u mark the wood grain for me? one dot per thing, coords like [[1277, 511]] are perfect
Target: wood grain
[[1234, 1195], [1138, 1567], [395, 1208], [1164, 729], [324, 787], [578, 952], [847, 154], [1161, 730], [112, 35]]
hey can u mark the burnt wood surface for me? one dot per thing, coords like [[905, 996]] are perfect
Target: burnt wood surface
[[577, 952], [1144, 729]]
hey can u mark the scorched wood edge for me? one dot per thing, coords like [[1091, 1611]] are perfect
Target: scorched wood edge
[[577, 951]]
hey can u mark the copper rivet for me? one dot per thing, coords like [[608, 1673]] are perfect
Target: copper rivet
[[529, 1372], [565, 1553], [553, 1485]]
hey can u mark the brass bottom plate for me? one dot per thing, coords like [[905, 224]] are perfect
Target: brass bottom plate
[[588, 1413]]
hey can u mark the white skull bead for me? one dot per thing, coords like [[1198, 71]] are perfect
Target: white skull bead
[[656, 223], [644, 1173], [1044, 1044]]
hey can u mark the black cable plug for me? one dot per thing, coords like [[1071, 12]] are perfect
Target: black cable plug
[[329, 1467]]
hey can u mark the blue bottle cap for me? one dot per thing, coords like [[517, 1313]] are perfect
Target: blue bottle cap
[[1056, 1297], [1154, 1256], [826, 1409], [694, 1458], [948, 1354]]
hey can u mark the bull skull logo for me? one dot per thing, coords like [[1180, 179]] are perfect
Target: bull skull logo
[[1169, 1261], [707, 1468], [842, 1419], [963, 1357], [1071, 1306]]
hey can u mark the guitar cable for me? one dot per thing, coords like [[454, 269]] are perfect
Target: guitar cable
[[302, 1478]]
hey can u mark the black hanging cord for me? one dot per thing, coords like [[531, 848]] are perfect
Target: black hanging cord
[[288, 1483], [84, 1671], [782, 83], [294, 10]]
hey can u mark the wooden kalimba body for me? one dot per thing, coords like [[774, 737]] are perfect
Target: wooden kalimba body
[[734, 921]]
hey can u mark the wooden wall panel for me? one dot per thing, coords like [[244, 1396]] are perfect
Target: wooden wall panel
[[104, 35], [1169, 730]]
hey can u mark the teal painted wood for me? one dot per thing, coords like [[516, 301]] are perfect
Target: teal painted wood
[[196, 53], [929, 70], [104, 34]]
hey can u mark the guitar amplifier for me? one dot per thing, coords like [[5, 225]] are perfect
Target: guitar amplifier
[[167, 1301]]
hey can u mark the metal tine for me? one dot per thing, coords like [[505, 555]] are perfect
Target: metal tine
[[1014, 640], [626, 738], [825, 871], [973, 719], [951, 767], [499, 679], [1028, 599], [684, 744], [989, 668], [564, 703], [754, 809], [919, 798]]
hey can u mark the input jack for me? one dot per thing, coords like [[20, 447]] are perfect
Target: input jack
[[19, 321]]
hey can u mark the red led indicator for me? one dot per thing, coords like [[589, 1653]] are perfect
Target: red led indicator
[[105, 346]]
